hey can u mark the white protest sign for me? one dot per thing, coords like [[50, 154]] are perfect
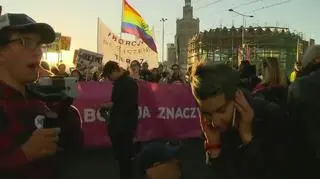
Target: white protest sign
[[87, 60], [123, 51]]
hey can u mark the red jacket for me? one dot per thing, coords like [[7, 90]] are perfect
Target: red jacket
[[17, 123]]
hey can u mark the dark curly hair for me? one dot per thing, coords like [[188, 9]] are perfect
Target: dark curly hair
[[208, 80]]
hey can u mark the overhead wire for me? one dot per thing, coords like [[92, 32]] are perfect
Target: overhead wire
[[218, 1], [209, 4], [235, 7], [264, 7], [196, 2], [247, 3], [269, 6], [240, 5]]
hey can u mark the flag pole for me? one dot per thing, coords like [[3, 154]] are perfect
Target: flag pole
[[98, 29], [122, 9]]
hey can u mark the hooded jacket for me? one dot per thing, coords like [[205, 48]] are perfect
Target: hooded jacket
[[262, 158], [304, 109]]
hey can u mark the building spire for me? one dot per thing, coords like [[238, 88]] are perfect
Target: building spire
[[187, 2], [187, 10]]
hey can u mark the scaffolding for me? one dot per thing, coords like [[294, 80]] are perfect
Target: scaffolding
[[223, 45]]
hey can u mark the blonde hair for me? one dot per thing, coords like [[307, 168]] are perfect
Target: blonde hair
[[273, 74], [194, 70]]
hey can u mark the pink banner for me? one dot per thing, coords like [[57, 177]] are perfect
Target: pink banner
[[165, 112]]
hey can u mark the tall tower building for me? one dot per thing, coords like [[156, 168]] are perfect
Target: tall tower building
[[171, 54], [187, 27]]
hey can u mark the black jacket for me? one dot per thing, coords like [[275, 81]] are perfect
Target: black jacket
[[124, 112], [265, 156], [146, 75], [304, 109]]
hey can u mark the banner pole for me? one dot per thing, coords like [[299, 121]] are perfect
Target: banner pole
[[122, 9], [98, 29], [58, 62], [61, 57]]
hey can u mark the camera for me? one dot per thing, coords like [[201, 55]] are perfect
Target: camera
[[55, 88], [65, 85]]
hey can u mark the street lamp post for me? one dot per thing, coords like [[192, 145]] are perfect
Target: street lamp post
[[243, 24], [299, 34], [163, 20]]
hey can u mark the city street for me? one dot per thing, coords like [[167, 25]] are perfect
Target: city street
[[96, 164]]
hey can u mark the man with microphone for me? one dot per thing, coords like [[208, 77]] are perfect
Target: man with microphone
[[28, 145]]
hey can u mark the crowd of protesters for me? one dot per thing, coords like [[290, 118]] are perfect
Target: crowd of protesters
[[269, 73], [136, 70]]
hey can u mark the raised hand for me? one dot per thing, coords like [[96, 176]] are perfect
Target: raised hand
[[246, 116]]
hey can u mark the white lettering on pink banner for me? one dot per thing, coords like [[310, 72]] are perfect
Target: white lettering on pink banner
[[165, 112]]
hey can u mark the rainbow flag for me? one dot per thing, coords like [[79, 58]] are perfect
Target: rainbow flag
[[133, 23]]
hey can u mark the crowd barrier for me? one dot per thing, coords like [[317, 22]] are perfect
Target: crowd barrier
[[165, 112]]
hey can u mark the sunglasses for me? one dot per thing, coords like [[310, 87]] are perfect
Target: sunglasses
[[28, 43]]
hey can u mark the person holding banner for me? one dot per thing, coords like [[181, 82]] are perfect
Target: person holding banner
[[134, 70], [123, 117], [176, 77], [62, 70], [145, 72], [245, 138]]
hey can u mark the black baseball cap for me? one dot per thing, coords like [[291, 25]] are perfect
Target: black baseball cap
[[156, 152], [25, 24]]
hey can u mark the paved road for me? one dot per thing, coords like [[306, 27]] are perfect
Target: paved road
[[99, 164]]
